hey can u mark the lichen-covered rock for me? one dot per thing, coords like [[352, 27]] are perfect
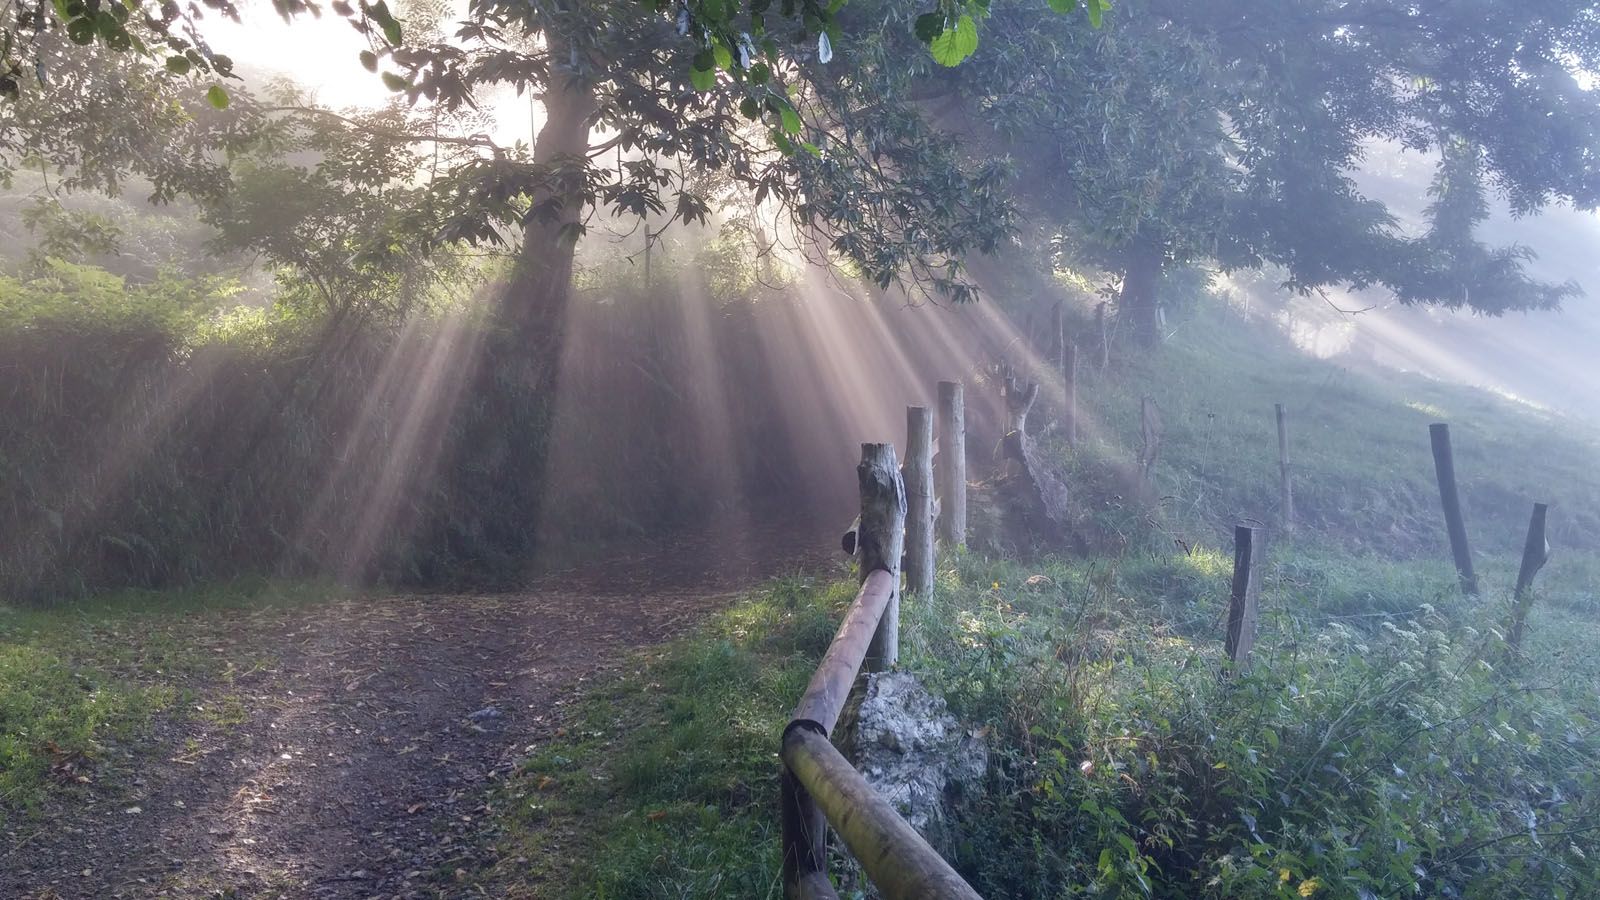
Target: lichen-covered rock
[[912, 751]]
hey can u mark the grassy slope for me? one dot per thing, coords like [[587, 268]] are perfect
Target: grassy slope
[[1382, 744], [1360, 448]]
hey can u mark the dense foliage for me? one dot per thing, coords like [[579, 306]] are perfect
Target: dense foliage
[[1236, 134], [155, 441], [163, 436]]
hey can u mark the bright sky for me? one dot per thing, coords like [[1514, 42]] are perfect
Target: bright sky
[[323, 55]]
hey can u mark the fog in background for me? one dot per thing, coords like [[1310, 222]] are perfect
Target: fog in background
[[1546, 359]]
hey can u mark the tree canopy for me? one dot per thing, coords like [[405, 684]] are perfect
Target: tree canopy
[[1233, 135], [1236, 135]]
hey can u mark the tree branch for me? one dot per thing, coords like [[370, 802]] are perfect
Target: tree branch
[[476, 140]]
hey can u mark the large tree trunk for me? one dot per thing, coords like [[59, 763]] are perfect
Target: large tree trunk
[[1137, 303], [505, 438]]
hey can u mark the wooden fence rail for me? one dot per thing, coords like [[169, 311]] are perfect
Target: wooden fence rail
[[819, 787]]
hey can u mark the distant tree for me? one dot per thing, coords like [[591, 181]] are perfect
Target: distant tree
[[1233, 133]]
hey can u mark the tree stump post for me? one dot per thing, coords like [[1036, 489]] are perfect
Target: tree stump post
[[1535, 553], [881, 542], [1445, 467], [952, 464], [919, 502], [1242, 601], [1285, 487], [1019, 397]]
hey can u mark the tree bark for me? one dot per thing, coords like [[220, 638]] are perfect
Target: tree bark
[[503, 446], [534, 308], [1137, 303]]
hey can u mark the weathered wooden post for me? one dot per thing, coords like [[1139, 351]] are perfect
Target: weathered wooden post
[[952, 464], [805, 840], [1243, 599], [1445, 467], [1535, 553], [1150, 438], [881, 541], [919, 501], [1069, 378], [1019, 397], [1285, 488]]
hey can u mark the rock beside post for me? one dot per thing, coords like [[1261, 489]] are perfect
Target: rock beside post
[[913, 751]]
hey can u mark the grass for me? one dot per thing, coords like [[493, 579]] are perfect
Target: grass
[[1360, 450], [1385, 742], [663, 782], [80, 679]]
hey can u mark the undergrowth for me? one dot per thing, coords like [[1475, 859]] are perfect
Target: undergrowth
[[1384, 742], [1397, 751]]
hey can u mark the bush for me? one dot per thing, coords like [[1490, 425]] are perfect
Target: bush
[[1407, 758], [153, 441]]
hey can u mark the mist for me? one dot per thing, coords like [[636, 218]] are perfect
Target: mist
[[725, 450]]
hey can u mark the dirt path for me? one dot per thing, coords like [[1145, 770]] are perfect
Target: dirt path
[[354, 761]]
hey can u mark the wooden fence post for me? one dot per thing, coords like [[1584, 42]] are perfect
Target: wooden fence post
[[919, 501], [1445, 467], [1150, 438], [1535, 552], [1069, 378], [1243, 599], [805, 838], [881, 541], [952, 464], [1285, 488]]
